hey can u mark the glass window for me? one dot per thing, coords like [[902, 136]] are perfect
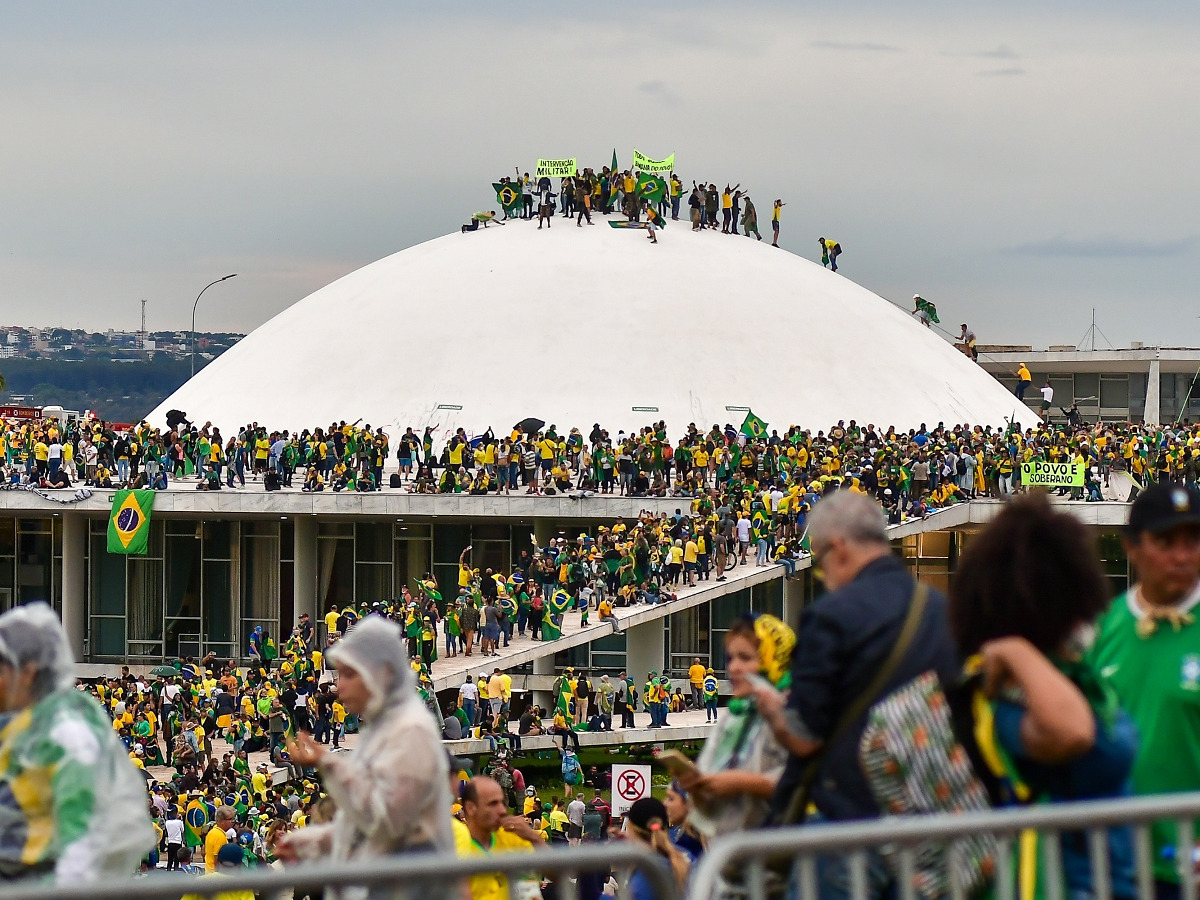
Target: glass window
[[1064, 389], [1087, 385], [287, 540], [407, 529], [34, 553], [489, 532], [145, 612], [372, 542], [410, 562], [108, 579], [372, 583], [260, 578], [726, 609], [217, 602], [218, 540], [768, 597], [183, 578], [335, 573], [1114, 392], [8, 537], [181, 637], [335, 529], [449, 541], [107, 637], [490, 555]]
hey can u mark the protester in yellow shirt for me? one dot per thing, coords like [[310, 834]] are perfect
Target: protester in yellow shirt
[[216, 837], [696, 673], [487, 829]]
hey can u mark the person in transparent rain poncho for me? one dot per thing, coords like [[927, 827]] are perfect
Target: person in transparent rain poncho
[[72, 806], [392, 793]]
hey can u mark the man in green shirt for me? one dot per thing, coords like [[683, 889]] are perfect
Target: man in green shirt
[[1148, 648]]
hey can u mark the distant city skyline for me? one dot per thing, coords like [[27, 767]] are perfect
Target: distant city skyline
[[1017, 164]]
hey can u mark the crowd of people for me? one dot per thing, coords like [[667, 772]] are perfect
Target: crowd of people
[[1029, 684], [643, 198], [909, 471]]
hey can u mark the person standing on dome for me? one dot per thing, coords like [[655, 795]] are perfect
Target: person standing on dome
[[830, 251], [545, 204], [775, 213], [750, 218], [727, 209], [967, 339]]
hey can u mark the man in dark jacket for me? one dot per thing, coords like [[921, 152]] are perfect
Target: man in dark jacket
[[844, 639]]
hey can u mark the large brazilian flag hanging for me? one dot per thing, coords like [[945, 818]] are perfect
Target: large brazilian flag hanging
[[129, 523]]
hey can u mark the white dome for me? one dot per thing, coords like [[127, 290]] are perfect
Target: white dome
[[583, 325]]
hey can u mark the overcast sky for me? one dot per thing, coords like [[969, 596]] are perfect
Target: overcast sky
[[1015, 163]]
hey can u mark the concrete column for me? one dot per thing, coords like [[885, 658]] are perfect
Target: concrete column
[[793, 597], [1153, 413], [543, 531], [304, 572], [544, 665], [644, 649], [74, 580]]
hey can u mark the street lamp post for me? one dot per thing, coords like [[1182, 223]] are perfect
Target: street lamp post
[[194, 305]]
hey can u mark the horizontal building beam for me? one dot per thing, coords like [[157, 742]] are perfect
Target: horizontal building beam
[[257, 503]]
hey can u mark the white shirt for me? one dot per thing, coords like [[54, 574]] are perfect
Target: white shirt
[[468, 691], [575, 810], [743, 529], [174, 830], [1047, 393]]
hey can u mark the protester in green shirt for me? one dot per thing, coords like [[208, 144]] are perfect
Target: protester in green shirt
[[1148, 649]]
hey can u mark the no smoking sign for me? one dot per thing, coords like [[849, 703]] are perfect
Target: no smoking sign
[[630, 783]]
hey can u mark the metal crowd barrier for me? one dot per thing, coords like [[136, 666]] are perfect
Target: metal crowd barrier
[[406, 875], [763, 859]]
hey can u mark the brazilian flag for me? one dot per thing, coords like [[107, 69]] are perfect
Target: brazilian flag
[[753, 426], [508, 195], [613, 167], [557, 604], [651, 187], [129, 524], [929, 309], [195, 818]]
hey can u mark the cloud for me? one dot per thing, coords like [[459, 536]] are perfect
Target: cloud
[[1001, 52], [864, 45], [1107, 246], [661, 90], [1001, 73]]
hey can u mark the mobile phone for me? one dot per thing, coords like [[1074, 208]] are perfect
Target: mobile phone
[[758, 682]]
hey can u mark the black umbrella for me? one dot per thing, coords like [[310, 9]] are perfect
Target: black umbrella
[[530, 425]]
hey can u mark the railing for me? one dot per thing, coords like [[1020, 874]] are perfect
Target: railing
[[751, 858], [401, 874], [756, 856]]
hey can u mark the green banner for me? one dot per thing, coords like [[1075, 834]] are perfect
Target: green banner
[[129, 524], [508, 195], [655, 166], [1048, 474], [556, 168]]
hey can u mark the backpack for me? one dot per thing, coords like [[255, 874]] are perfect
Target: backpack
[[395, 480], [571, 770], [916, 764], [961, 466]]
